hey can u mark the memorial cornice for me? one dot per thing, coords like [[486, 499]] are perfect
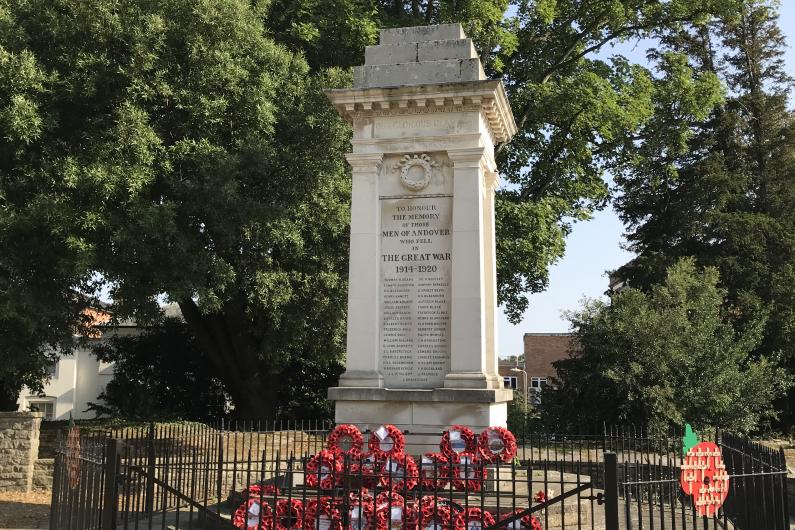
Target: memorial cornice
[[486, 96]]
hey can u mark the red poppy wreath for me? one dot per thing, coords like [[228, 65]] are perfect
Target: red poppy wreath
[[435, 515], [253, 515], [458, 439], [399, 472], [324, 470], [289, 514], [346, 440], [386, 440], [322, 514], [468, 473], [434, 471], [497, 444]]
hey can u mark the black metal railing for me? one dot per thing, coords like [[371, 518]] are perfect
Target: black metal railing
[[269, 474]]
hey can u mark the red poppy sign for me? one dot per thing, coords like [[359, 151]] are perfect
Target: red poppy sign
[[704, 477]]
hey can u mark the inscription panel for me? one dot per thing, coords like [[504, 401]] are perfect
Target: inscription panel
[[430, 124], [416, 258]]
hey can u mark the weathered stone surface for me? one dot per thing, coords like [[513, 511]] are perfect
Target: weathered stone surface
[[423, 73], [19, 447], [43, 473], [391, 53], [440, 50], [421, 33]]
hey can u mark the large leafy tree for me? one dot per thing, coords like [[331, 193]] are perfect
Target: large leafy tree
[[184, 148], [726, 195], [161, 147], [665, 357], [575, 110]]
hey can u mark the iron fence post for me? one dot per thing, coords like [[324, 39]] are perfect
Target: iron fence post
[[110, 503], [784, 493], [150, 473], [219, 478], [611, 490]]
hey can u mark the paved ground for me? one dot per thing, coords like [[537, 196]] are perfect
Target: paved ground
[[20, 511]]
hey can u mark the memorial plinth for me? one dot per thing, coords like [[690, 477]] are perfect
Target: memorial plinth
[[422, 300]]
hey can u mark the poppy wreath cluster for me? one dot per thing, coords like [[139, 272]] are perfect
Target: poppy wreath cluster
[[527, 522], [361, 511], [289, 514], [435, 515], [468, 473], [497, 444], [542, 496], [390, 504], [477, 518], [343, 433], [389, 432], [368, 468], [253, 515], [399, 472], [434, 471], [320, 511], [263, 491], [465, 436], [324, 470]]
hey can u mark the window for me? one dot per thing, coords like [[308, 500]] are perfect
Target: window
[[509, 381], [47, 407], [537, 384], [52, 370]]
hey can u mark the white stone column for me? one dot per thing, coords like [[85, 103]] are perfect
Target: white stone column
[[363, 368], [468, 327], [489, 229]]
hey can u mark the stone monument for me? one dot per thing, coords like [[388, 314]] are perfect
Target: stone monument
[[422, 300]]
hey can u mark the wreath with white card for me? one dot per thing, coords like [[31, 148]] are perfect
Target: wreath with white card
[[387, 440]]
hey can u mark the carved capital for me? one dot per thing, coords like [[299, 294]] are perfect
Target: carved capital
[[469, 157], [365, 162], [492, 181]]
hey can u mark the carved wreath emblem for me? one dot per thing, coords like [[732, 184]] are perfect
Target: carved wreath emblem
[[415, 171]]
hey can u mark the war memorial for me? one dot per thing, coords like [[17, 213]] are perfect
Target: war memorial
[[422, 332]]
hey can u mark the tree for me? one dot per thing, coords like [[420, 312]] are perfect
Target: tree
[[665, 357], [158, 375], [161, 148], [727, 194], [575, 112]]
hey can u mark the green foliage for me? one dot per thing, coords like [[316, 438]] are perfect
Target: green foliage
[[520, 415], [576, 114], [185, 148], [578, 117], [663, 358], [161, 147], [720, 186], [159, 374], [163, 373]]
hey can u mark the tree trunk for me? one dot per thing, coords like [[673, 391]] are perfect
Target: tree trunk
[[233, 357]]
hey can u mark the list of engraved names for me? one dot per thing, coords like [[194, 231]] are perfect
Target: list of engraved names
[[416, 250]]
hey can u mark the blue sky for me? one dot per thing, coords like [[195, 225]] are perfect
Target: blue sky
[[594, 246]]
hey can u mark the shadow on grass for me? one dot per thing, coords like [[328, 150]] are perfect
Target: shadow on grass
[[23, 515]]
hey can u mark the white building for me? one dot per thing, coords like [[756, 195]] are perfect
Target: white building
[[76, 379]]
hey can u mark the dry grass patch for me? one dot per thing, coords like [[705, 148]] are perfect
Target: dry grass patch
[[24, 510]]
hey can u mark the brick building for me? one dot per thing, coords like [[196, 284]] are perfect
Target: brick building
[[540, 351]]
